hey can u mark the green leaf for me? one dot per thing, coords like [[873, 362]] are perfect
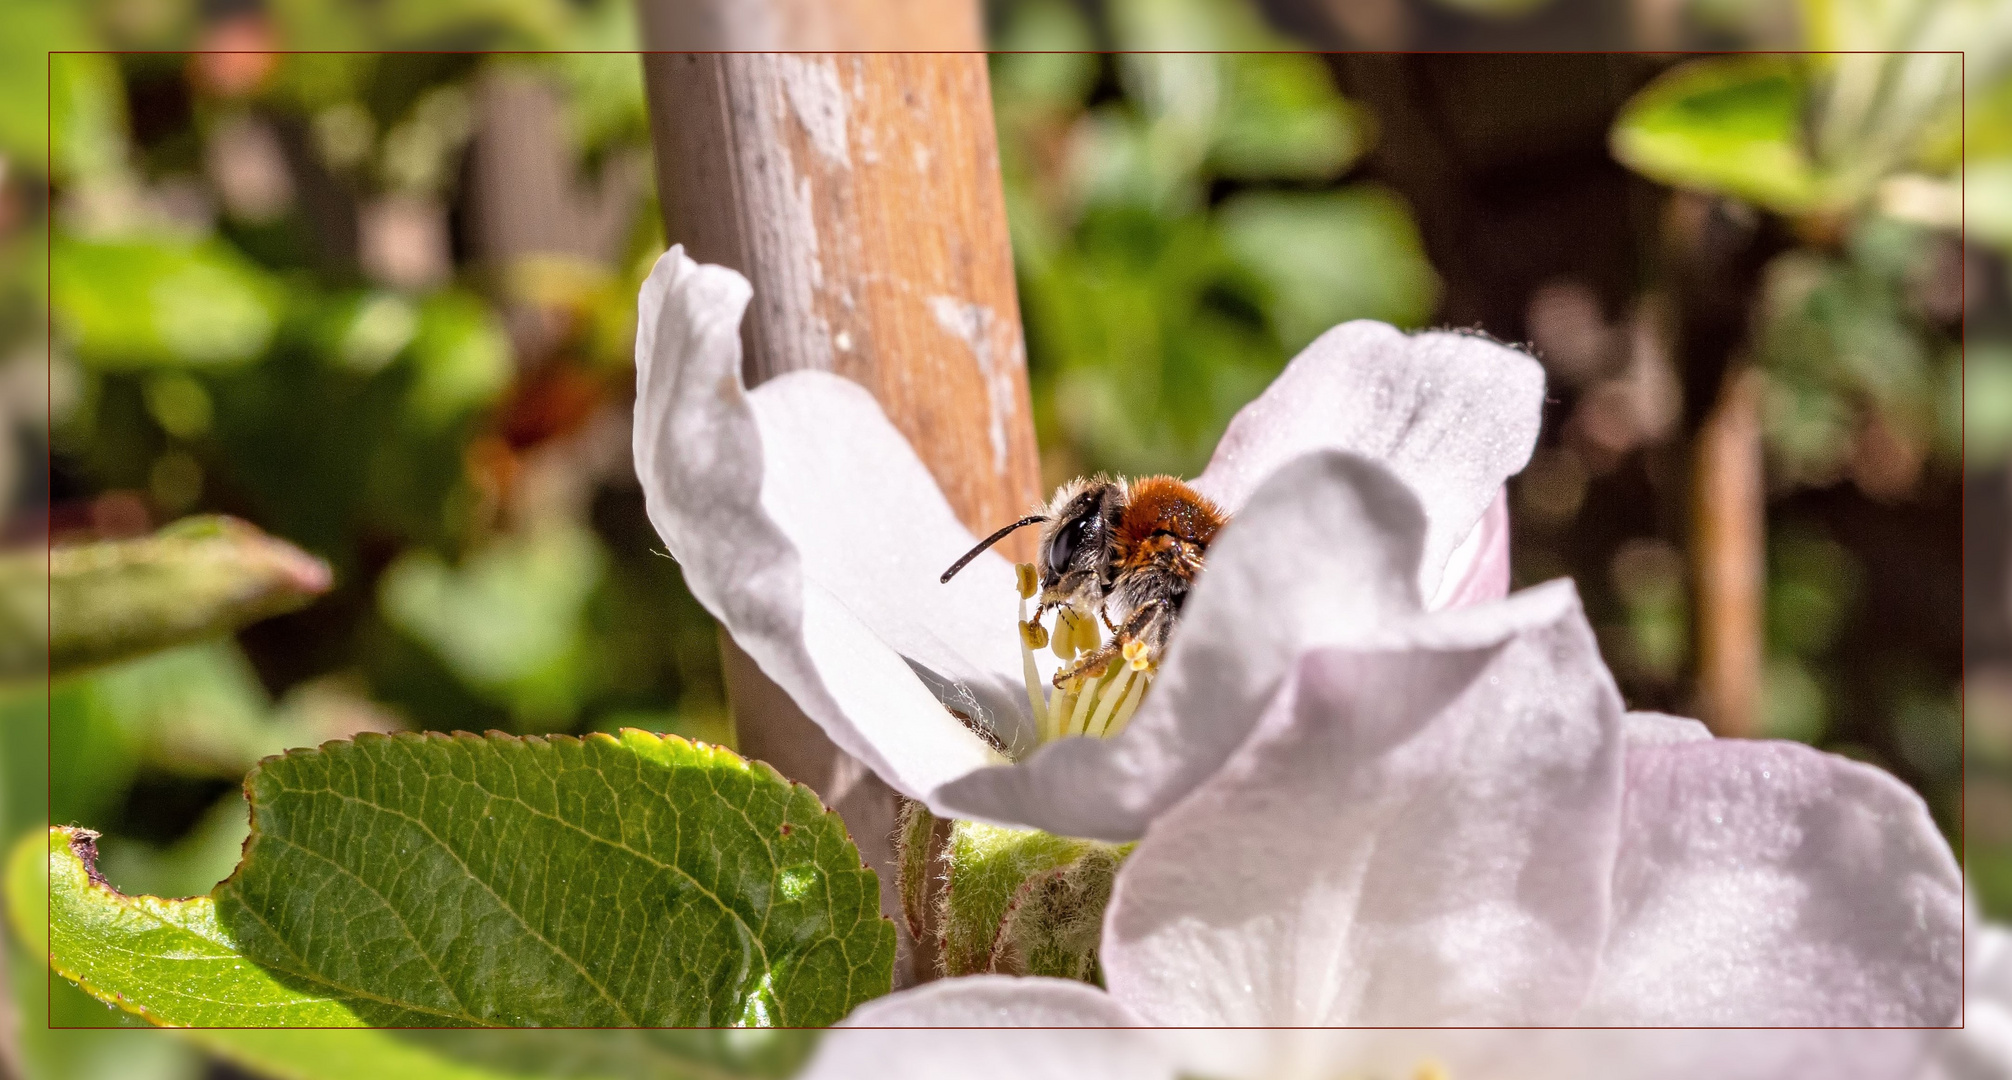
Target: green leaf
[[496, 1055], [627, 1055], [1731, 125], [1332, 256], [61, 1030], [162, 302], [199, 577], [169, 961], [1024, 902], [415, 1055], [336, 1055], [431, 880]]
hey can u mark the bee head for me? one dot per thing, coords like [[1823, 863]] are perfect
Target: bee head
[[1077, 529]]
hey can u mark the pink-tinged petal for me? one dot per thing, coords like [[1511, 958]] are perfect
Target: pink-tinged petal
[[815, 541], [1767, 883], [865, 1048], [1452, 414], [1353, 1054], [1478, 570], [1420, 831], [950, 1053], [1320, 554], [1525, 1054], [995, 1001], [1661, 729]]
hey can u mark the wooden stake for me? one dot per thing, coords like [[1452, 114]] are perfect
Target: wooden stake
[[1729, 519], [861, 196]]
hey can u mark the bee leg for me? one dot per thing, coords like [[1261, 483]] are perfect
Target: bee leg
[[1089, 661], [1105, 615], [1146, 618]]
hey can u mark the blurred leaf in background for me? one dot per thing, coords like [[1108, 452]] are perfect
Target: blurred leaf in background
[[510, 622], [1177, 223]]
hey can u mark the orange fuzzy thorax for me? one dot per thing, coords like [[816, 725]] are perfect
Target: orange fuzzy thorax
[[1162, 513]]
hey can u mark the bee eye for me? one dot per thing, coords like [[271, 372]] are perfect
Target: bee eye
[[1068, 542]]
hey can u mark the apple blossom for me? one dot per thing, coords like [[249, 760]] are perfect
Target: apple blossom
[[1448, 818], [807, 525], [1358, 806]]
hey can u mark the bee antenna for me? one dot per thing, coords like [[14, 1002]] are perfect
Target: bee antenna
[[986, 543]]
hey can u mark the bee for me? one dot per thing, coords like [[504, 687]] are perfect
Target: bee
[[1125, 552]]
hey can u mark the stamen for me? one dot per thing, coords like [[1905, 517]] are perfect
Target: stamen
[[1131, 705], [1108, 699], [1089, 636], [1080, 715], [1094, 702], [1068, 634], [1036, 700], [1058, 712]]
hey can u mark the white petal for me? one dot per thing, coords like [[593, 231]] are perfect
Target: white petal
[[1420, 831], [1453, 415], [1767, 883], [872, 527], [856, 1050], [1320, 554], [1982, 1048], [777, 506]]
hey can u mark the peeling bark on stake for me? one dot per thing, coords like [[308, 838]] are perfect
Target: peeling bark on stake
[[861, 196], [1729, 523]]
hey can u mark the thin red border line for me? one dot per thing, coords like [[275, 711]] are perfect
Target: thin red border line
[[1963, 96]]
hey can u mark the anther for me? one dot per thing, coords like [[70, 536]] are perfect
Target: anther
[[1034, 634], [1023, 576], [1069, 634]]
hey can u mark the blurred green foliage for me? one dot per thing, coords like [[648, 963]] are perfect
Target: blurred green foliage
[[1177, 223], [275, 297], [1732, 125], [1865, 156]]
